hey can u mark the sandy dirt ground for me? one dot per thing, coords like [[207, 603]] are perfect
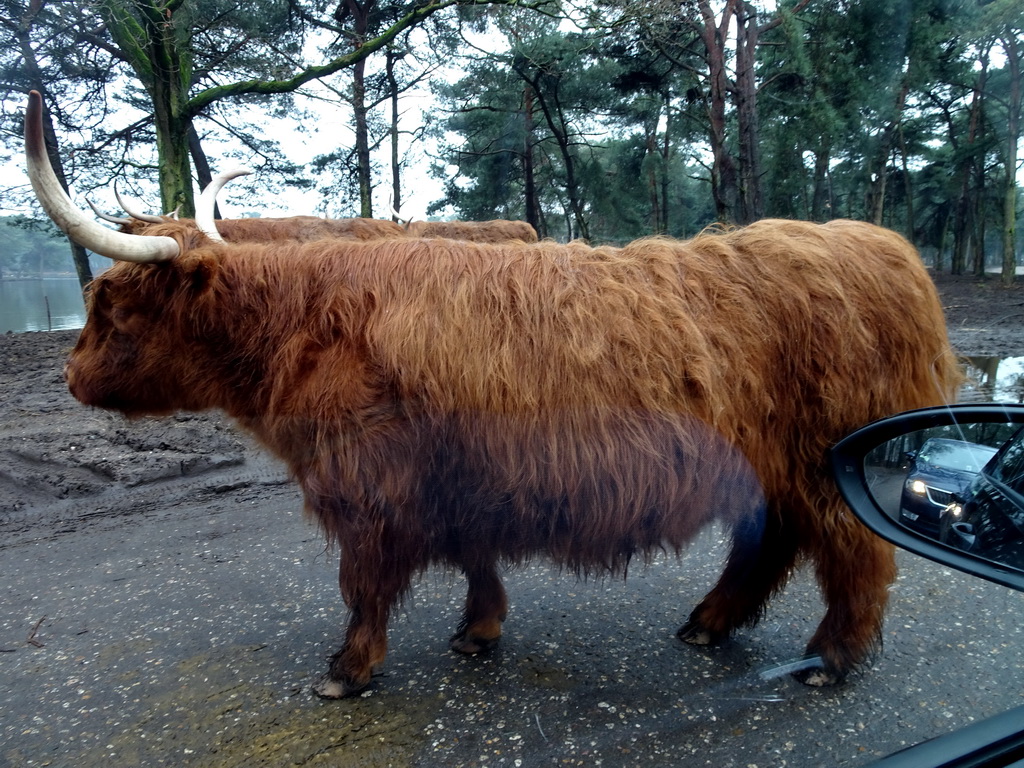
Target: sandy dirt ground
[[88, 500], [984, 318]]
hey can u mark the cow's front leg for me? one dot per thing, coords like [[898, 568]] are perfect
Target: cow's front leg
[[486, 606], [370, 587]]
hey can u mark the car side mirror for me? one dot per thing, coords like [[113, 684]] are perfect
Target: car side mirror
[[962, 510]]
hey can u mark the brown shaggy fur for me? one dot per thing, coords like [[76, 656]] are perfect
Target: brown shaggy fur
[[495, 231], [302, 229], [470, 404]]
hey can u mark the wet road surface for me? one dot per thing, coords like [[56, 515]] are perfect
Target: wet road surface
[[185, 628]]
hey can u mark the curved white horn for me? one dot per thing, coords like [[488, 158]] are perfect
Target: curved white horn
[[397, 215], [128, 207], [208, 199], [58, 206], [107, 216]]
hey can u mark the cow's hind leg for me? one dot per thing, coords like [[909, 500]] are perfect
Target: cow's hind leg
[[370, 586], [854, 568], [486, 606], [760, 561]]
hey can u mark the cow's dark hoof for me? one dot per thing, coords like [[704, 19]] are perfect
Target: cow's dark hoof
[[695, 633], [326, 688], [819, 677], [463, 643]]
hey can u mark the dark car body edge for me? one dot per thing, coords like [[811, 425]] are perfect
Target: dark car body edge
[[992, 742]]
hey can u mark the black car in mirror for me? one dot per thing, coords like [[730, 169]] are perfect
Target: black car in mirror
[[942, 469]]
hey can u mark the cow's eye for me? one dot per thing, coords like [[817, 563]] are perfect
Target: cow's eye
[[124, 319]]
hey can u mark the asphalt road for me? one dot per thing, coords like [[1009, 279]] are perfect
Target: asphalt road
[[186, 629]]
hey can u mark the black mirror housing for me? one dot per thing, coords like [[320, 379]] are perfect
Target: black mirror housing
[[959, 548]]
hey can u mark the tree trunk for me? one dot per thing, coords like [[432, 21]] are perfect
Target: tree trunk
[[157, 45], [820, 207], [360, 13], [396, 167], [970, 171], [204, 175], [653, 188], [362, 130], [877, 193], [557, 124], [155, 39], [750, 198], [666, 156], [940, 252], [908, 187], [529, 181], [79, 257], [172, 149], [723, 169], [736, 197], [1013, 63], [978, 256]]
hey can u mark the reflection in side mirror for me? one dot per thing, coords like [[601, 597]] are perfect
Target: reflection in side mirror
[[962, 486], [962, 536], [947, 483]]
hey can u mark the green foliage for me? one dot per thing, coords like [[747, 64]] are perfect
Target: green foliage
[[587, 121], [899, 112]]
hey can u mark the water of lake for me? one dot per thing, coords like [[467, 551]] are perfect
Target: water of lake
[[23, 304]]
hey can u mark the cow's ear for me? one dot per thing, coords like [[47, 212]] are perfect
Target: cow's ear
[[198, 270]]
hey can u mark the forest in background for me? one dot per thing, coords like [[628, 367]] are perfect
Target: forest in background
[[607, 120], [32, 248]]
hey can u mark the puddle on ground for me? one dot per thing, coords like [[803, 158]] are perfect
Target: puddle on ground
[[993, 379]]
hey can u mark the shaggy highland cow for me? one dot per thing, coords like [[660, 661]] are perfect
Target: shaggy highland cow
[[256, 229], [309, 228], [495, 231], [304, 229], [473, 405]]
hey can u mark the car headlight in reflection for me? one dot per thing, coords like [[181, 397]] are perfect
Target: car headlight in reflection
[[955, 510], [918, 487]]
